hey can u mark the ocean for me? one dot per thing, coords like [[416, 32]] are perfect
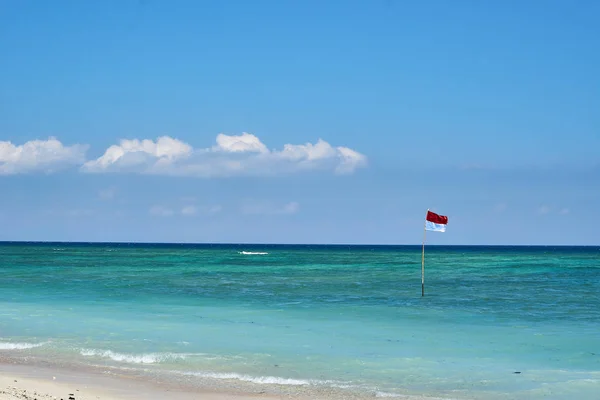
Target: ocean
[[495, 322]]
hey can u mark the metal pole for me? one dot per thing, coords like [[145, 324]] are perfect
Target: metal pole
[[423, 258]]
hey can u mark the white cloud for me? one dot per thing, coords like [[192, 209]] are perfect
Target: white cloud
[[39, 156], [349, 160], [108, 193], [214, 209], [189, 210], [544, 209], [291, 208], [242, 155], [252, 208], [205, 210], [243, 143], [161, 211], [129, 155]]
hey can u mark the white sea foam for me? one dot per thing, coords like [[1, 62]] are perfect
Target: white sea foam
[[265, 380], [19, 346], [145, 358], [386, 394], [408, 396], [274, 380], [255, 253], [254, 379]]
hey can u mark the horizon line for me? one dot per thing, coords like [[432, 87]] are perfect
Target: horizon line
[[288, 244]]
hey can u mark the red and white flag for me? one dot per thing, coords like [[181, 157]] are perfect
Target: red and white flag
[[435, 222]]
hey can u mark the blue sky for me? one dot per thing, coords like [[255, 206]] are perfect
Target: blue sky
[[300, 121]]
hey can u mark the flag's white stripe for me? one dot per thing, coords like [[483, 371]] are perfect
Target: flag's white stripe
[[432, 226]]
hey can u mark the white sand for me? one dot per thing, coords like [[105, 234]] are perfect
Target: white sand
[[19, 382]]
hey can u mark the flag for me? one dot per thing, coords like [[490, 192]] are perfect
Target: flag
[[435, 222]]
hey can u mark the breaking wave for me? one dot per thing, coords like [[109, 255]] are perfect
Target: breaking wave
[[269, 380], [147, 358], [253, 252], [274, 380], [19, 346]]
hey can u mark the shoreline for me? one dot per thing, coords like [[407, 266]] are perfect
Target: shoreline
[[30, 382], [41, 379]]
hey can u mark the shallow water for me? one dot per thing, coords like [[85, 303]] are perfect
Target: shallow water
[[328, 316]]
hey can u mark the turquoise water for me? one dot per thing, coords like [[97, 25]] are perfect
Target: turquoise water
[[350, 318]]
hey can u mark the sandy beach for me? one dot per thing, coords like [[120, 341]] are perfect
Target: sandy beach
[[25, 382]]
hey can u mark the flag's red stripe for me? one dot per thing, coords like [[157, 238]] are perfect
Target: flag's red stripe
[[436, 219]]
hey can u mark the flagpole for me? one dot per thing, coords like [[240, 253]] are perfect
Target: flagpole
[[423, 257]]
